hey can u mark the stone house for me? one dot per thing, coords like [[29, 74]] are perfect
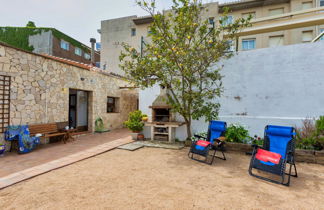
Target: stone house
[[39, 89]]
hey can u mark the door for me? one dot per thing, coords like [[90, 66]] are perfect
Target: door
[[82, 110], [73, 110]]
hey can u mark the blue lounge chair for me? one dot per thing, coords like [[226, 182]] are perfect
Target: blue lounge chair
[[26, 143], [278, 150], [202, 145]]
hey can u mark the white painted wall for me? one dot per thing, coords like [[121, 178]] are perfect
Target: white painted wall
[[281, 86], [42, 43]]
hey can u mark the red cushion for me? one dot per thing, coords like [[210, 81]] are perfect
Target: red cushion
[[268, 156], [203, 143]]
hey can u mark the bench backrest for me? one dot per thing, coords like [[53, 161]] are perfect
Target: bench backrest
[[43, 128]]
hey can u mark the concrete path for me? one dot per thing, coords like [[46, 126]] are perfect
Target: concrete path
[[61, 162], [12, 162]]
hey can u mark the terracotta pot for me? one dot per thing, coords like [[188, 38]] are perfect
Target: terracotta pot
[[140, 137]]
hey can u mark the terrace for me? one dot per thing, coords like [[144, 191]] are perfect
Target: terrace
[[151, 178], [95, 172]]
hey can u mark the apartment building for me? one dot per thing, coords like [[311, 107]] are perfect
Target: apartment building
[[48, 41], [134, 30], [272, 8]]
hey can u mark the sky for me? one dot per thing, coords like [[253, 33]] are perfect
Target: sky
[[79, 19]]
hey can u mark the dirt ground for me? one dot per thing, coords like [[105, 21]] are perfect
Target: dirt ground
[[163, 179]]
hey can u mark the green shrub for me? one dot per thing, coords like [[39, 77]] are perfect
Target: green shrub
[[319, 125], [311, 134], [31, 24], [134, 122], [237, 133]]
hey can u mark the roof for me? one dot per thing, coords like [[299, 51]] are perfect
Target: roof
[[88, 67], [143, 20], [246, 4], [70, 62]]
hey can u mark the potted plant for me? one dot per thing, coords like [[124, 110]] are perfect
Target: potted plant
[[144, 117], [135, 123], [2, 149]]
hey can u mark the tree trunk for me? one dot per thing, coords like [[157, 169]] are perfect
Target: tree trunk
[[188, 124]]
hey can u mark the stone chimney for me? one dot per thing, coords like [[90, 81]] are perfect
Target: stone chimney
[[93, 42]]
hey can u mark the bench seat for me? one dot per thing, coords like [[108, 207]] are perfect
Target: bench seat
[[47, 130]]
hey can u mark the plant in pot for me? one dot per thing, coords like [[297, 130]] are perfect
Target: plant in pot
[[135, 123], [2, 149], [144, 117]]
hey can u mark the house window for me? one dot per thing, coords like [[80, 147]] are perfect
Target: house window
[[248, 44], [321, 3], [248, 14], [227, 20], [87, 56], [112, 104], [133, 32], [65, 45], [307, 36], [277, 11], [275, 41], [211, 23], [78, 51], [211, 20], [307, 5]]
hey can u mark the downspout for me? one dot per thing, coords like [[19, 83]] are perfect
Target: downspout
[[93, 42], [142, 42]]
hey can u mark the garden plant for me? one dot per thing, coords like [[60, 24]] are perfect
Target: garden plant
[[134, 122], [311, 134]]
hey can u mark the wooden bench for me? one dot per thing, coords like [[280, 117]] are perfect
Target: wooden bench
[[47, 130]]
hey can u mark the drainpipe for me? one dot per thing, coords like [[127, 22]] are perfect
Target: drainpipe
[[142, 45], [93, 42]]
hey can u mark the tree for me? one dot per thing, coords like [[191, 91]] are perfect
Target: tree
[[31, 24], [181, 55]]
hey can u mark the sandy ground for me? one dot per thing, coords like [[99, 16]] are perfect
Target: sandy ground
[[163, 179]]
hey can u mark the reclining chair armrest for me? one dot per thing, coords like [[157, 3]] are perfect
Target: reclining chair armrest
[[255, 146], [219, 142], [289, 155]]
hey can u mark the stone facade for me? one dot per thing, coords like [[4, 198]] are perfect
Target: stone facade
[[40, 89]]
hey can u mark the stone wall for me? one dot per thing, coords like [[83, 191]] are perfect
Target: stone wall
[[40, 89]]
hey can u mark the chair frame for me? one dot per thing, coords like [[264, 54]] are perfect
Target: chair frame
[[205, 152], [279, 169]]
